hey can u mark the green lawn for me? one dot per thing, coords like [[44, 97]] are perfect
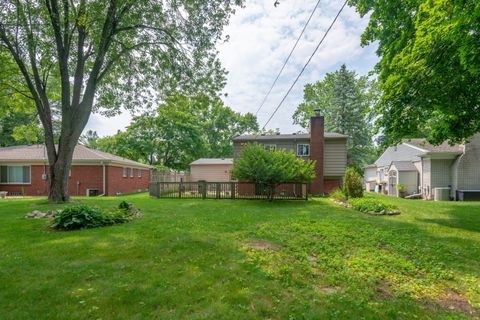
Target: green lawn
[[222, 259]]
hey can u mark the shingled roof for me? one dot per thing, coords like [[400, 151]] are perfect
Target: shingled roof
[[207, 161], [293, 136], [37, 153], [430, 148], [404, 165]]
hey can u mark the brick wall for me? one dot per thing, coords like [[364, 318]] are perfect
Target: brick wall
[[331, 185], [116, 183], [83, 178], [316, 153]]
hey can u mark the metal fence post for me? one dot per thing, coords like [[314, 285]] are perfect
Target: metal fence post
[[204, 190], [180, 187], [217, 190], [232, 189]]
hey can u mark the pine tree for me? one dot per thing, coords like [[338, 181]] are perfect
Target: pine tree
[[344, 99]]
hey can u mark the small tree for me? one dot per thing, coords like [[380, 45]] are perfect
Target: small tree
[[352, 184], [271, 168]]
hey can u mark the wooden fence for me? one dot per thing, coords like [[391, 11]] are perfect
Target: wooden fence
[[169, 176], [227, 190]]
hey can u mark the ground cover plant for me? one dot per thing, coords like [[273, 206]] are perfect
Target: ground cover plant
[[225, 259]]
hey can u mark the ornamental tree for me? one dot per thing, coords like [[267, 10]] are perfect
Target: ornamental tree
[[108, 54], [271, 168]]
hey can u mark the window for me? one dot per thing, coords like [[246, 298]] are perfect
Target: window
[[270, 147], [125, 172], [131, 173], [15, 174], [139, 173], [303, 150]]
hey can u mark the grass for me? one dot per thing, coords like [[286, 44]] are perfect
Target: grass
[[222, 259]]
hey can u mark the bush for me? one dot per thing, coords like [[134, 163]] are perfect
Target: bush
[[83, 216], [338, 195], [367, 205], [352, 184]]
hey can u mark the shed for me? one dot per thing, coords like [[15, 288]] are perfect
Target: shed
[[212, 170]]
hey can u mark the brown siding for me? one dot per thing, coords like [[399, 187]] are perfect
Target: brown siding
[[211, 172]]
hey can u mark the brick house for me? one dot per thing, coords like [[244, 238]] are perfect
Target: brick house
[[24, 171], [328, 149]]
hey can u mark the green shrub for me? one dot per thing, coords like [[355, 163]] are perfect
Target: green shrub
[[338, 195], [124, 205], [352, 184], [371, 205], [83, 216]]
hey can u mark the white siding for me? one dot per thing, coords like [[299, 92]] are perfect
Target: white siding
[[467, 175], [409, 179]]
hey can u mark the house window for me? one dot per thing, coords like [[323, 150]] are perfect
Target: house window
[[303, 150], [270, 147], [15, 174], [131, 172], [125, 172], [139, 173]]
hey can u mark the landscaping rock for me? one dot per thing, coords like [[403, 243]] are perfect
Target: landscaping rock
[[35, 214]]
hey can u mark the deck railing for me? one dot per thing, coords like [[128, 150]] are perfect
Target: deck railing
[[228, 190]]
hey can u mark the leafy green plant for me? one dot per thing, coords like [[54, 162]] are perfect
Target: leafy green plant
[[352, 184], [402, 189], [367, 205], [124, 205], [338, 195], [271, 168], [82, 216]]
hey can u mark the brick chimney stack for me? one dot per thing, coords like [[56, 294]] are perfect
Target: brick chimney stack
[[316, 151]]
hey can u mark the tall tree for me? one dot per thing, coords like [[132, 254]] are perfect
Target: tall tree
[[429, 67], [111, 52], [183, 129], [344, 100]]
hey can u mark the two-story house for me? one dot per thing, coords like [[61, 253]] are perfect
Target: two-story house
[[328, 149]]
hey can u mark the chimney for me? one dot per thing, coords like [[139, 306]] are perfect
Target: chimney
[[316, 151]]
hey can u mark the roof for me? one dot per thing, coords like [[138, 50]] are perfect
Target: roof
[[293, 136], [370, 166], [404, 166], [402, 152], [208, 161], [430, 148], [33, 153]]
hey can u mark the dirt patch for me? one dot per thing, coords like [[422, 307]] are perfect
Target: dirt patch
[[327, 290], [454, 301], [261, 245], [383, 289]]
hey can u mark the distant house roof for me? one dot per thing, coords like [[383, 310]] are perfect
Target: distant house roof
[[207, 161], [370, 166], [38, 153], [404, 166], [430, 148], [293, 136]]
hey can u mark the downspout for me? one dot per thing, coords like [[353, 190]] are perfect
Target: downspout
[[104, 179]]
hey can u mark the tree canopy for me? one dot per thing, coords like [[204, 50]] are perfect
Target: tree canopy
[[180, 131], [108, 54], [345, 100], [429, 68]]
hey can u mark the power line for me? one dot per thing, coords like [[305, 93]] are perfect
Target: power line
[[305, 66], [288, 58]]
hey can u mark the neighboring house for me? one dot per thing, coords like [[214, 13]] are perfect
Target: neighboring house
[[370, 177], [212, 170], [329, 150], [422, 167], [24, 171]]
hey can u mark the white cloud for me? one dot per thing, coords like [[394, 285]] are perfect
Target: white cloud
[[261, 37]]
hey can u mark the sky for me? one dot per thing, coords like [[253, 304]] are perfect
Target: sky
[[261, 37]]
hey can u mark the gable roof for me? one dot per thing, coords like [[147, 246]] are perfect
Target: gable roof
[[430, 148], [401, 152], [36, 153], [293, 136], [207, 161], [404, 166]]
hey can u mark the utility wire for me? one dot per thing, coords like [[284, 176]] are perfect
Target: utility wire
[[306, 64], [288, 58]]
